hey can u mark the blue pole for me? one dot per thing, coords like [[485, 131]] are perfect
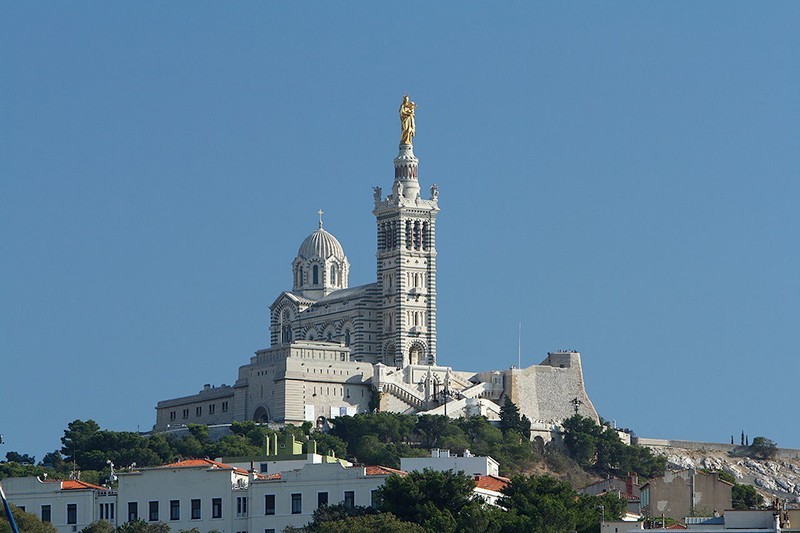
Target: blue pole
[[8, 511]]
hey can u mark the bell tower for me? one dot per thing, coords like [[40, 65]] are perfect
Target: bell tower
[[406, 254]]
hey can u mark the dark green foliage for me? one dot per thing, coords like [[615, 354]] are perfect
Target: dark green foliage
[[26, 522], [544, 504], [383, 523], [140, 526], [101, 526], [17, 470], [431, 499], [431, 429], [511, 421], [340, 511], [762, 448], [746, 497], [76, 437], [598, 449], [380, 438], [55, 461], [23, 459], [327, 443]]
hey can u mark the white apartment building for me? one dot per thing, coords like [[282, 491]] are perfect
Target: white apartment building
[[443, 460], [200, 493], [68, 505]]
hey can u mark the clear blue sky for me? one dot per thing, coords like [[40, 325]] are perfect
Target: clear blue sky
[[621, 178]]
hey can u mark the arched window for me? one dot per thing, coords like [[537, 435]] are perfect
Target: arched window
[[286, 327], [333, 275], [347, 337], [315, 275], [300, 276]]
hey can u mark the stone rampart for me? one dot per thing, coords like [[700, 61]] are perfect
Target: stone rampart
[[733, 449]]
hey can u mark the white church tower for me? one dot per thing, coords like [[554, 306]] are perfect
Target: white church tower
[[407, 259]]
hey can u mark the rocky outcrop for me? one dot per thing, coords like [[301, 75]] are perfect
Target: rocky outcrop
[[779, 477]]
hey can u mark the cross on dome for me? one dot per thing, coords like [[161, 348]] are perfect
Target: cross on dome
[[320, 212]]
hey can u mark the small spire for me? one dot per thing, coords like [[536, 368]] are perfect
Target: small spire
[[320, 212]]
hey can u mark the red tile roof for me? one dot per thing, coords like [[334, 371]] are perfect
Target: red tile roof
[[383, 471], [204, 463], [494, 483], [73, 484], [676, 526]]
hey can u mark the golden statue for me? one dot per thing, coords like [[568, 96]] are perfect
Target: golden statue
[[407, 124]]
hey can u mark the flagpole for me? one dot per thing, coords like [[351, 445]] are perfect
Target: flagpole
[[8, 511]]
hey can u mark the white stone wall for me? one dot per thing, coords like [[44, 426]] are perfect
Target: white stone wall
[[212, 405], [484, 466], [163, 485], [31, 494], [333, 479], [545, 393]]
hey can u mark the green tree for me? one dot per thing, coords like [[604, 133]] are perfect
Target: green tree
[[431, 429], [547, 504], [101, 526], [597, 448], [76, 438], [26, 522], [140, 526], [762, 448], [55, 461], [340, 511], [384, 522], [510, 419], [327, 443], [428, 498], [746, 497], [23, 459]]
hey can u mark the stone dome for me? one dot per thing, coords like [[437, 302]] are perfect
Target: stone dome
[[321, 244]]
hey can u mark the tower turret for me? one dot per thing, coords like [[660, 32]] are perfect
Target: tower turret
[[320, 266], [406, 258]]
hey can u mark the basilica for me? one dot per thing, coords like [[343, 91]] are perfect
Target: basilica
[[339, 350]]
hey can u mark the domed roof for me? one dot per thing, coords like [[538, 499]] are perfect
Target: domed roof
[[321, 244]]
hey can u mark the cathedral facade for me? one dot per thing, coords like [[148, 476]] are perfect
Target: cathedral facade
[[340, 350]]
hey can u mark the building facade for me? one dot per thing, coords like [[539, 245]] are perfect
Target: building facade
[[682, 493]]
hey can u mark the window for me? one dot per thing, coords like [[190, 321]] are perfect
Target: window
[[72, 513], [315, 275], [269, 530], [373, 499], [174, 509], [153, 512], [224, 406], [333, 274], [269, 504], [195, 509], [21, 508], [216, 508], [297, 503], [212, 408], [173, 415], [322, 499], [107, 511], [185, 413], [133, 511], [349, 499], [46, 513], [241, 506], [198, 411]]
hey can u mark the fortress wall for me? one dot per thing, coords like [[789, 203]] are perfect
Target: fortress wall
[[545, 392], [785, 453]]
